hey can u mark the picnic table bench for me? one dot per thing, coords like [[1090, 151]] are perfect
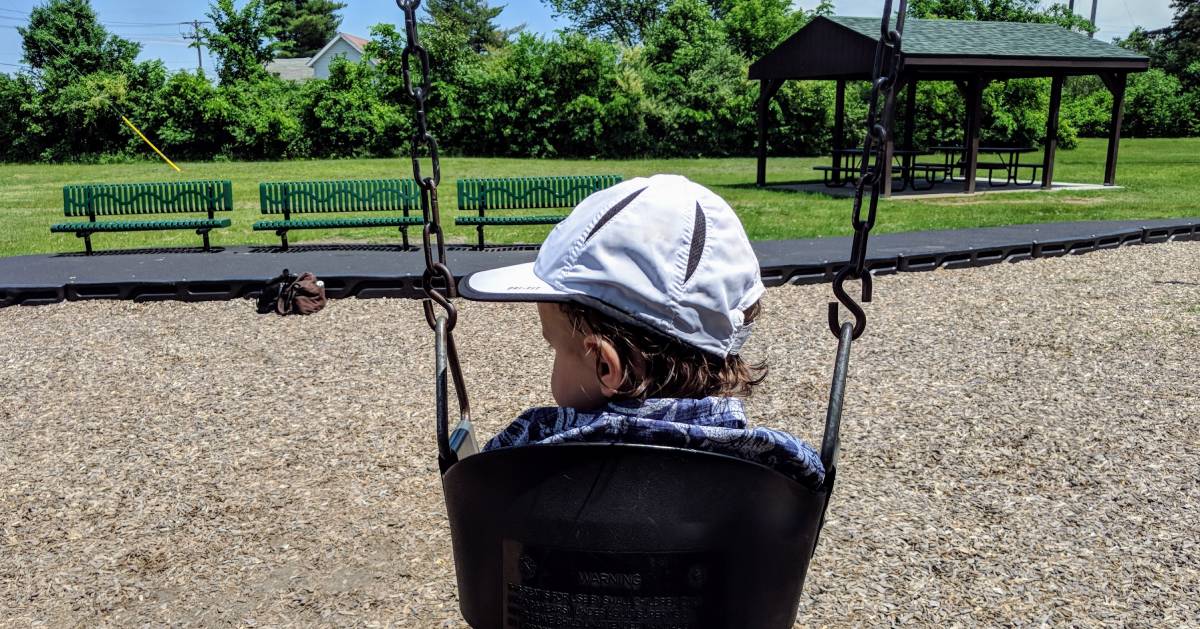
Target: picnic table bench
[[524, 193], [141, 199], [1008, 161], [288, 198], [847, 164]]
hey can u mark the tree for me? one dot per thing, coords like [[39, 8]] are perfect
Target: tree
[[475, 19], [243, 41], [754, 27], [623, 20], [64, 39], [303, 27], [83, 78], [1181, 43], [700, 82], [18, 113], [345, 116], [1000, 11]]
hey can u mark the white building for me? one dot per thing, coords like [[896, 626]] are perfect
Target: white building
[[350, 47]]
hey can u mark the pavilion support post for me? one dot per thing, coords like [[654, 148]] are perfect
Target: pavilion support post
[[766, 90], [889, 147], [839, 130], [1116, 84], [971, 143], [910, 116], [1056, 87]]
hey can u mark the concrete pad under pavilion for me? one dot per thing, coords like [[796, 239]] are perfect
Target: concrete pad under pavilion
[[944, 190]]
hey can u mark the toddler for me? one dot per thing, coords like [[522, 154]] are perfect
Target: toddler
[[646, 293]]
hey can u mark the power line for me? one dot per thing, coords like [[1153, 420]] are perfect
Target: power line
[[24, 18], [140, 24]]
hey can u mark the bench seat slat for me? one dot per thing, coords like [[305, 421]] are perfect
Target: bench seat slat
[[130, 226], [509, 220], [328, 223], [895, 168]]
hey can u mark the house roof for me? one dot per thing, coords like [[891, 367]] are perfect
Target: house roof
[[294, 69], [843, 47], [356, 42]]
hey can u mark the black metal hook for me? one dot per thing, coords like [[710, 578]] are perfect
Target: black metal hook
[[839, 291]]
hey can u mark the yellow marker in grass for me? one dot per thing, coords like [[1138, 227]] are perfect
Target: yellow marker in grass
[[147, 140]]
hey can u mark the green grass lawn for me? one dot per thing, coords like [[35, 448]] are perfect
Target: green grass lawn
[[1161, 177]]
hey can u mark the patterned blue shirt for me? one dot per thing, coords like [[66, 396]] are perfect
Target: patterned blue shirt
[[713, 424]]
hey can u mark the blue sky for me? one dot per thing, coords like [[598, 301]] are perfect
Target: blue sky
[[153, 23]]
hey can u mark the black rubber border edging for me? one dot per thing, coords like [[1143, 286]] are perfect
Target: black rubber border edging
[[783, 262]]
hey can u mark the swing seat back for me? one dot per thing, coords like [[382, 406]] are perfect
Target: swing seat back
[[617, 535]]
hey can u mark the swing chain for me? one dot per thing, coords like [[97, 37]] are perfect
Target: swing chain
[[437, 282], [873, 166]]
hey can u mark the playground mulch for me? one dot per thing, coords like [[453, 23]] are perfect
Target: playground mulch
[[1020, 448]]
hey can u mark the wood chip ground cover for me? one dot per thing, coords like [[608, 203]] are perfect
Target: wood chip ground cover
[[1021, 447]]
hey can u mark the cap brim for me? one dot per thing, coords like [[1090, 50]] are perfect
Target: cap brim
[[510, 283]]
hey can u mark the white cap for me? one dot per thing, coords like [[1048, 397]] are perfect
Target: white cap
[[661, 252]]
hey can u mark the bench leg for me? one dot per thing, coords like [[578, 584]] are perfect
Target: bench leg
[[479, 229], [993, 184], [282, 233], [404, 236], [1033, 170], [87, 241], [204, 234], [928, 180]]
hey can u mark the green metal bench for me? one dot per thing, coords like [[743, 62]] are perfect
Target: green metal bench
[[524, 193], [330, 197], [126, 199]]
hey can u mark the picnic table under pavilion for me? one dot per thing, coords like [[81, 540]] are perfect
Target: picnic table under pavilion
[[971, 54]]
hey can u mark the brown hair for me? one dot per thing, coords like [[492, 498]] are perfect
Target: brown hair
[[657, 366]]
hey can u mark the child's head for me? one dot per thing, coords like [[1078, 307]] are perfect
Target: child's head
[[648, 289], [597, 358]]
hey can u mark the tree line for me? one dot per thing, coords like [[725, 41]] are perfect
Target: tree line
[[630, 78]]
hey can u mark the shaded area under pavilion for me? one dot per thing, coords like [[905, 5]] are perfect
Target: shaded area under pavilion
[[971, 54]]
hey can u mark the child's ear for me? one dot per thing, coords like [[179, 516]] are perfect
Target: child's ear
[[608, 364]]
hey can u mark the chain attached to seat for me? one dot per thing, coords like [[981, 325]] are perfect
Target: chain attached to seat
[[874, 167], [437, 282]]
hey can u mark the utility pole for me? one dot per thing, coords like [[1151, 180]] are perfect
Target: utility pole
[[1094, 17], [197, 42]]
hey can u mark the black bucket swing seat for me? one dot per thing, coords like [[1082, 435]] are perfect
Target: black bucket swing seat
[[622, 536]]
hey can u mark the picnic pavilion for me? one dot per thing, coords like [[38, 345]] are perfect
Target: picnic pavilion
[[972, 54]]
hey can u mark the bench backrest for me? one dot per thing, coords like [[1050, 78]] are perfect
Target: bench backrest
[[343, 195], [165, 197], [522, 193]]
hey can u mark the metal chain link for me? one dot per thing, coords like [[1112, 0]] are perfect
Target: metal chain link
[[437, 282], [874, 167]]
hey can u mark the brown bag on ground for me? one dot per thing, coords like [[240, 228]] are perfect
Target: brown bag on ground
[[289, 294], [305, 295]]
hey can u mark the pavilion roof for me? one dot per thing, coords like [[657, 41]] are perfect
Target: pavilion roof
[[843, 47]]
